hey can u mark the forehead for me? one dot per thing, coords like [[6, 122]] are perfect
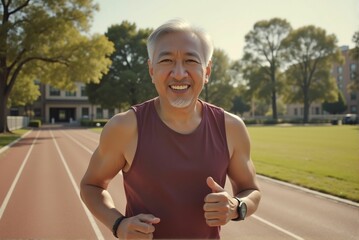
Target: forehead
[[183, 42]]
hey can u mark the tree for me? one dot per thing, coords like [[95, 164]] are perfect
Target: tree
[[240, 105], [354, 53], [264, 51], [128, 81], [48, 40], [219, 90], [336, 107], [311, 53], [24, 92]]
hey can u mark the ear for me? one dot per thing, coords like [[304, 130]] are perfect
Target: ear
[[150, 68], [208, 71]]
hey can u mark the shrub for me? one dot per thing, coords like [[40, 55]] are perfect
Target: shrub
[[35, 123]]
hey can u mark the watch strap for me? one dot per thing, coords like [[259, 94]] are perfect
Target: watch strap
[[240, 217]]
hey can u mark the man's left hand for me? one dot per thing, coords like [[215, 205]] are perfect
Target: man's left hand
[[219, 207]]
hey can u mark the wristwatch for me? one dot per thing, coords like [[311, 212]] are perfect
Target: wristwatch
[[241, 210]]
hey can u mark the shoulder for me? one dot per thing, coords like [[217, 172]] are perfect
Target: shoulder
[[236, 132], [120, 127], [233, 121]]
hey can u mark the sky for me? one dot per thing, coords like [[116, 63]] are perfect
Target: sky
[[228, 21]]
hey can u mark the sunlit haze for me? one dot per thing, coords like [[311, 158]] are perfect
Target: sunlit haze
[[228, 21]]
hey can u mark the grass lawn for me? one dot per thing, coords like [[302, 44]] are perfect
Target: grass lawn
[[7, 138], [323, 158]]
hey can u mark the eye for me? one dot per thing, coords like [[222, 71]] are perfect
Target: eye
[[192, 61], [165, 60]]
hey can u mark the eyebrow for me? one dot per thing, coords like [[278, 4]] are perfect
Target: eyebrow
[[168, 53]]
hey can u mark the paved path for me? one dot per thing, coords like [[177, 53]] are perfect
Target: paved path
[[39, 197]]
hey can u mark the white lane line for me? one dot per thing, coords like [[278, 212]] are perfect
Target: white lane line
[[303, 189], [254, 216], [80, 144], [277, 227], [13, 185], [90, 138], [88, 213]]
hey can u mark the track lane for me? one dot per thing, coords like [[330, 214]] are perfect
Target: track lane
[[11, 161], [44, 204], [299, 213]]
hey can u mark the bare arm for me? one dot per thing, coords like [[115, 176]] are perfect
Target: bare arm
[[115, 152], [107, 160], [241, 169], [220, 207]]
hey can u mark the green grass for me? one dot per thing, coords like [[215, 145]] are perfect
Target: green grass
[[7, 138], [323, 158], [97, 129]]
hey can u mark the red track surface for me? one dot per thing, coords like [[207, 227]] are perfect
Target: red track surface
[[39, 197]]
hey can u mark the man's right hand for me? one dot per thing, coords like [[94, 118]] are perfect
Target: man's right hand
[[137, 227]]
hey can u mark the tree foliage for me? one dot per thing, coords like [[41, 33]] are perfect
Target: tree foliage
[[24, 92], [219, 90], [48, 40], [336, 107], [263, 54], [128, 81], [311, 53]]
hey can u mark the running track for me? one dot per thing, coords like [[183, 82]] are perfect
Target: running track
[[39, 197]]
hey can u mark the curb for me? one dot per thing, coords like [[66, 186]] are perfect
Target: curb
[[3, 149], [324, 195]]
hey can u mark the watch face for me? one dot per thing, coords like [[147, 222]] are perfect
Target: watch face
[[243, 209]]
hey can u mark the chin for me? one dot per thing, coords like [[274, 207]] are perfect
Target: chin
[[181, 103]]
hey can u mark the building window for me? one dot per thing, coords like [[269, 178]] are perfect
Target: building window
[[353, 96], [340, 70], [295, 111], [37, 112], [340, 86], [353, 109], [111, 112], [70, 93], [340, 78], [83, 91], [99, 113], [54, 91], [353, 75], [85, 113], [353, 67]]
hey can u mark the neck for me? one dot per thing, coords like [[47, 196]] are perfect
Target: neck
[[183, 120]]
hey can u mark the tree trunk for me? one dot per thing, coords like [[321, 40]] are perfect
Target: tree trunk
[[3, 111], [274, 92], [306, 107], [274, 104]]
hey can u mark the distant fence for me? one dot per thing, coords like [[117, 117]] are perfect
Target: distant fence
[[16, 122]]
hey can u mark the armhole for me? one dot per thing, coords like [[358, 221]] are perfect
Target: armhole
[[138, 119]]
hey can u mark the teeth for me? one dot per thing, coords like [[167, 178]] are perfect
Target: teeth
[[179, 87]]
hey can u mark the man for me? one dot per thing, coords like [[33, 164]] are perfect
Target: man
[[175, 151]]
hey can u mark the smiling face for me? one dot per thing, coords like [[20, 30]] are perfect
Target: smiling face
[[178, 69]]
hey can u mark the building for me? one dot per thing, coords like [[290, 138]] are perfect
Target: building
[[343, 74], [60, 106]]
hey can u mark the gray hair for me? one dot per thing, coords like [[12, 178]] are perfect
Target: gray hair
[[180, 25]]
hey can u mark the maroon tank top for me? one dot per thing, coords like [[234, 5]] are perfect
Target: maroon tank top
[[168, 174]]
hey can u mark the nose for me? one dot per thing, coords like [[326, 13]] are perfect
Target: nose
[[179, 71]]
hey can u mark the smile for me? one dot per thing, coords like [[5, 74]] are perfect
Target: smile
[[179, 87]]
